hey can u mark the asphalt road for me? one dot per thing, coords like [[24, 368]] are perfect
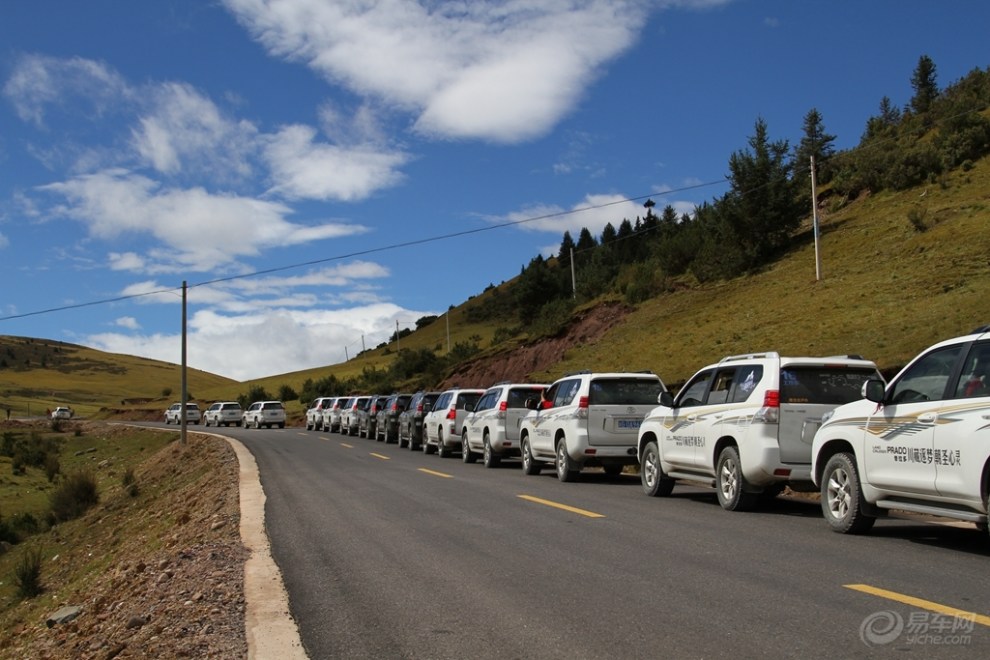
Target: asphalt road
[[389, 553]]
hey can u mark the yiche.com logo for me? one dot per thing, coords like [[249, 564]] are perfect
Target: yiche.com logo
[[881, 628]]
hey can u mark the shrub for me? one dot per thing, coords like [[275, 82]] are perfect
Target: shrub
[[917, 219], [74, 495], [129, 481], [52, 466], [27, 574]]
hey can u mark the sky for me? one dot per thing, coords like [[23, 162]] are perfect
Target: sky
[[320, 171]]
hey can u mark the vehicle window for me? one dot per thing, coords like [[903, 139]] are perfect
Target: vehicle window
[[518, 396], [624, 391], [488, 401], [429, 399], [467, 399], [745, 382], [927, 378], [693, 393], [721, 385], [442, 402], [975, 379], [831, 385], [566, 391]]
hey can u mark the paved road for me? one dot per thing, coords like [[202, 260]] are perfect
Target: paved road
[[390, 553]]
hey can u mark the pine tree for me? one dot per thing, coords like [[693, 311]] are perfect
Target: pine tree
[[815, 143], [924, 85]]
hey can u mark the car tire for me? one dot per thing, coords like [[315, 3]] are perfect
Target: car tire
[[530, 466], [467, 455], [257, 423], [842, 496], [567, 470], [281, 425], [651, 475], [489, 457], [730, 484], [427, 447], [442, 450]]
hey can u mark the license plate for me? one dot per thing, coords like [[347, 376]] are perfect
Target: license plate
[[629, 423]]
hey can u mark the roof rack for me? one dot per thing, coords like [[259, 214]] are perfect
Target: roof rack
[[980, 330], [750, 356]]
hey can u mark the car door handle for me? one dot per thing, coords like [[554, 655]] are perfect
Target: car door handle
[[692, 418], [928, 418]]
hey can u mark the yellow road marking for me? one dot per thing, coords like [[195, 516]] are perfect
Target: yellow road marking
[[344, 444], [556, 505], [435, 474], [918, 602], [381, 456]]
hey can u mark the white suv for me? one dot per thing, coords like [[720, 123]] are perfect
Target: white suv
[[588, 419], [442, 425], [223, 412], [492, 427], [745, 425], [314, 414], [264, 413], [174, 414], [921, 444]]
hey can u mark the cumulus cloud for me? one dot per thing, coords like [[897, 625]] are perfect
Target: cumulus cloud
[[293, 340], [128, 322], [593, 212], [502, 71], [201, 231]]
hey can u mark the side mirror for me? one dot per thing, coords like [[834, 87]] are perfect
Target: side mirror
[[666, 399], [427, 407], [532, 403], [874, 390]]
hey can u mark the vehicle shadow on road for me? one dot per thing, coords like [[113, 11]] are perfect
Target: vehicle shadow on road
[[947, 536]]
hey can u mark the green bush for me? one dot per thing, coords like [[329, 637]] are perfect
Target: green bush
[[74, 496], [27, 574], [52, 466]]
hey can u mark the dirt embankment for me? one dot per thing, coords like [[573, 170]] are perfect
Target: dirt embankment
[[517, 365]]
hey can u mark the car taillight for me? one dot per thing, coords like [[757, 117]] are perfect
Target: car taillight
[[419, 407], [452, 413], [582, 412], [502, 407], [770, 412]]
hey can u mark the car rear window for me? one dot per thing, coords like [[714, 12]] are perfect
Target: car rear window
[[624, 391], [831, 385], [518, 396], [466, 399]]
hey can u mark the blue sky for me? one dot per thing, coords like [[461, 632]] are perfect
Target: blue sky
[[143, 144]]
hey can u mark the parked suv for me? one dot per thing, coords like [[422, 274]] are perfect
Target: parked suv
[[921, 444], [174, 414], [588, 419], [368, 417], [314, 413], [492, 428], [745, 424], [443, 423], [332, 412], [388, 417], [411, 419], [264, 413], [223, 412], [349, 414]]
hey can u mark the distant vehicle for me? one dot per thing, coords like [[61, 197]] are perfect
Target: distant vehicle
[[491, 429], [388, 417], [920, 444], [349, 416], [368, 417], [264, 413], [442, 425], [332, 412], [174, 414], [314, 414], [411, 419], [223, 413], [588, 419], [62, 412]]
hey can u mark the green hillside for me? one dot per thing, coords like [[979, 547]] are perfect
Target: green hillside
[[38, 374]]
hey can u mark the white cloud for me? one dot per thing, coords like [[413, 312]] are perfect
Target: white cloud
[[4, 241], [38, 82], [503, 71], [303, 168], [128, 322], [593, 212], [200, 231], [292, 340]]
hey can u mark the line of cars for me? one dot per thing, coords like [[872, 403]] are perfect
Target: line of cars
[[748, 425], [226, 413]]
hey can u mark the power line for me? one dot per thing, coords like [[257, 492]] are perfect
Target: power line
[[350, 255]]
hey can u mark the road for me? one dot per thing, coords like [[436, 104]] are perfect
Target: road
[[392, 553]]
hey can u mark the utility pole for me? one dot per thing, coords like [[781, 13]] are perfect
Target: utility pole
[[185, 393], [397, 346], [447, 316], [573, 278], [814, 215]]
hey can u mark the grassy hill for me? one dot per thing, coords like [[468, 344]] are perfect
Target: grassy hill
[[37, 374]]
